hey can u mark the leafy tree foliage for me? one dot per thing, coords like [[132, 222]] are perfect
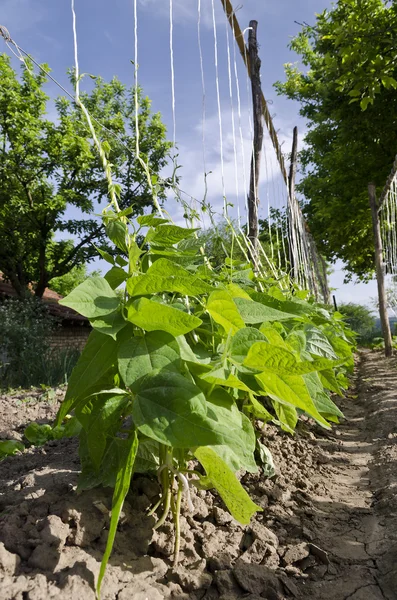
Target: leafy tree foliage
[[347, 91], [359, 318], [66, 283], [48, 166]]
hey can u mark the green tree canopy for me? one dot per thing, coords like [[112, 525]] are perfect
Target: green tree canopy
[[347, 90], [48, 166]]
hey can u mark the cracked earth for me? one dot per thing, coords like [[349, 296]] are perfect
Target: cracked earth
[[328, 530], [355, 515]]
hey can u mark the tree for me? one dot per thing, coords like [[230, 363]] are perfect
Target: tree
[[48, 166], [359, 318], [66, 283], [347, 92]]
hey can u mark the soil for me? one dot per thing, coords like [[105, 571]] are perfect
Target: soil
[[328, 530]]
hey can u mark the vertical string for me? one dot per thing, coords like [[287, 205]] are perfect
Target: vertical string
[[218, 97], [172, 74]]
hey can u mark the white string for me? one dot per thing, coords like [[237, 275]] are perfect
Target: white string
[[218, 96], [172, 73], [229, 71]]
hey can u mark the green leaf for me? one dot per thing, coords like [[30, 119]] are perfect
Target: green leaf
[[105, 255], [117, 231], [109, 324], [297, 341], [223, 310], [321, 399], [166, 276], [38, 434], [287, 416], [235, 427], [93, 298], [172, 410], [150, 220], [365, 102], [330, 382], [272, 335], [127, 453], [139, 356], [242, 342], [134, 253], [10, 447], [253, 312], [296, 307], [153, 316], [219, 476], [263, 355], [292, 390], [317, 343], [99, 354], [266, 460], [266, 357], [168, 235], [99, 417], [147, 458], [115, 277]]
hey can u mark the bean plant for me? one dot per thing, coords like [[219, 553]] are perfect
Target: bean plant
[[183, 359]]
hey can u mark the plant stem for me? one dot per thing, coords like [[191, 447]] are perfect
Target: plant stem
[[177, 513], [166, 482]]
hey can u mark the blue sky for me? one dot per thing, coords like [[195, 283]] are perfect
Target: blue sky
[[106, 47]]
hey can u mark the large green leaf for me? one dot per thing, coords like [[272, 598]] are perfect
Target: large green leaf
[[139, 356], [98, 356], [321, 398], [222, 478], [290, 389], [330, 382], [242, 342], [127, 450], [109, 324], [150, 220], [172, 410], [117, 231], [93, 298], [100, 416], [272, 335], [154, 316], [236, 428], [295, 307], [115, 277], [317, 343], [223, 310], [168, 235], [254, 313], [266, 357], [166, 276]]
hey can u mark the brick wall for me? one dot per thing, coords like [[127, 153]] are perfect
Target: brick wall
[[70, 336]]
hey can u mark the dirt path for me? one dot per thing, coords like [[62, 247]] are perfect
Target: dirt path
[[328, 530], [355, 515]]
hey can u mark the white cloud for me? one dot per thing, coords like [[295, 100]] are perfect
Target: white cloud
[[235, 181]]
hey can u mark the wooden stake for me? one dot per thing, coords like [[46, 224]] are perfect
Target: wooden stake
[[253, 198], [384, 317], [291, 188]]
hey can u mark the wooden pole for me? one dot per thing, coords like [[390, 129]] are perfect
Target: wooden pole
[[384, 317], [239, 36], [291, 188], [253, 198]]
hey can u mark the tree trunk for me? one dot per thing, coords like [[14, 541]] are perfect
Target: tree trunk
[[384, 317]]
